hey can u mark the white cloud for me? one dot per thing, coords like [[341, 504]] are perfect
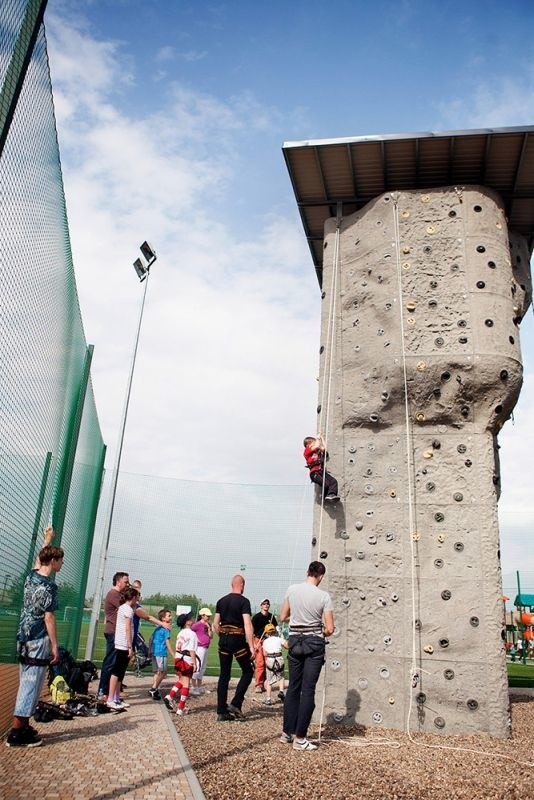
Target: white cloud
[[225, 378], [497, 102], [192, 55], [164, 54]]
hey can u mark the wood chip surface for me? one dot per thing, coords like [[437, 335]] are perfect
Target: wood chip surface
[[243, 760]]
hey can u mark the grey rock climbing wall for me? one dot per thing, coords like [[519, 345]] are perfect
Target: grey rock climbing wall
[[423, 293]]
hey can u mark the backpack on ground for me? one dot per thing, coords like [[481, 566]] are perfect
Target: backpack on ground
[[60, 691], [77, 675]]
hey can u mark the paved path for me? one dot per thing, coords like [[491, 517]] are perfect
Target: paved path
[[135, 754]]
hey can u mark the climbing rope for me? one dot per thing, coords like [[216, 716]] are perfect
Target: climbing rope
[[409, 458], [330, 350], [329, 361]]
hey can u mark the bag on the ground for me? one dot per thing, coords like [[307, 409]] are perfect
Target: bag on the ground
[[76, 674], [46, 712], [79, 708], [42, 713], [60, 691]]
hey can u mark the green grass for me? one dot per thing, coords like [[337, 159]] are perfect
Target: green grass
[[521, 675], [146, 629]]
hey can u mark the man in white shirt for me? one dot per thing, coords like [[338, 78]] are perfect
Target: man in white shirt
[[311, 617]]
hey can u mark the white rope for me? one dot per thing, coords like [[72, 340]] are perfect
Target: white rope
[[409, 458], [305, 488], [330, 350], [327, 383], [469, 750], [354, 741]]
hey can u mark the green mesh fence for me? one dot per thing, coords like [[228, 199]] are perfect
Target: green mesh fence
[[51, 449], [187, 538]]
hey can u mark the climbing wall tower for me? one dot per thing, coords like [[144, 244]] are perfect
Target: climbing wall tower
[[424, 288]]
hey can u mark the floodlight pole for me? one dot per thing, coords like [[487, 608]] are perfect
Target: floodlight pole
[[99, 589]]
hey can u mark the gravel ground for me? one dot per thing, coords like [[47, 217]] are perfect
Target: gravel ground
[[243, 760]]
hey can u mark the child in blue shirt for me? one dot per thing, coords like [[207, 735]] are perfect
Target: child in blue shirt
[[161, 645]]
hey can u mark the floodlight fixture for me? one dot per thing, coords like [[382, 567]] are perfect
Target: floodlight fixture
[[140, 268], [143, 271], [149, 253]]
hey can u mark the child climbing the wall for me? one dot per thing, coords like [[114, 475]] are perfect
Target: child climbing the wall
[[314, 455]]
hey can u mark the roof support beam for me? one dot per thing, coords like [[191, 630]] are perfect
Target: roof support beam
[[320, 169], [520, 163]]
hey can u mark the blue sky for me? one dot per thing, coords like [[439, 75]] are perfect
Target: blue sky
[[171, 116]]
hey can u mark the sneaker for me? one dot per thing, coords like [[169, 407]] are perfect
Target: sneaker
[[195, 692], [181, 711], [305, 745], [281, 696], [286, 738], [122, 704], [23, 737], [114, 706], [226, 716], [169, 702], [154, 694], [236, 711], [267, 702], [331, 498]]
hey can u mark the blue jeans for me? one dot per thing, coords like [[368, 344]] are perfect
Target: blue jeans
[[230, 646], [107, 663], [305, 660], [31, 679]]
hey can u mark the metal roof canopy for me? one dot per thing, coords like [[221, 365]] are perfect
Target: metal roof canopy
[[325, 172]]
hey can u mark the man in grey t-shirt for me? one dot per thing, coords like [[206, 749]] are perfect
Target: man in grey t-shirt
[[311, 617]]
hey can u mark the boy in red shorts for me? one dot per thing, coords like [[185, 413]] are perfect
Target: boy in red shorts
[[185, 663]]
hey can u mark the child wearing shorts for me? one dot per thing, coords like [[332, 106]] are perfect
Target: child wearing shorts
[[161, 644], [274, 662], [185, 663]]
